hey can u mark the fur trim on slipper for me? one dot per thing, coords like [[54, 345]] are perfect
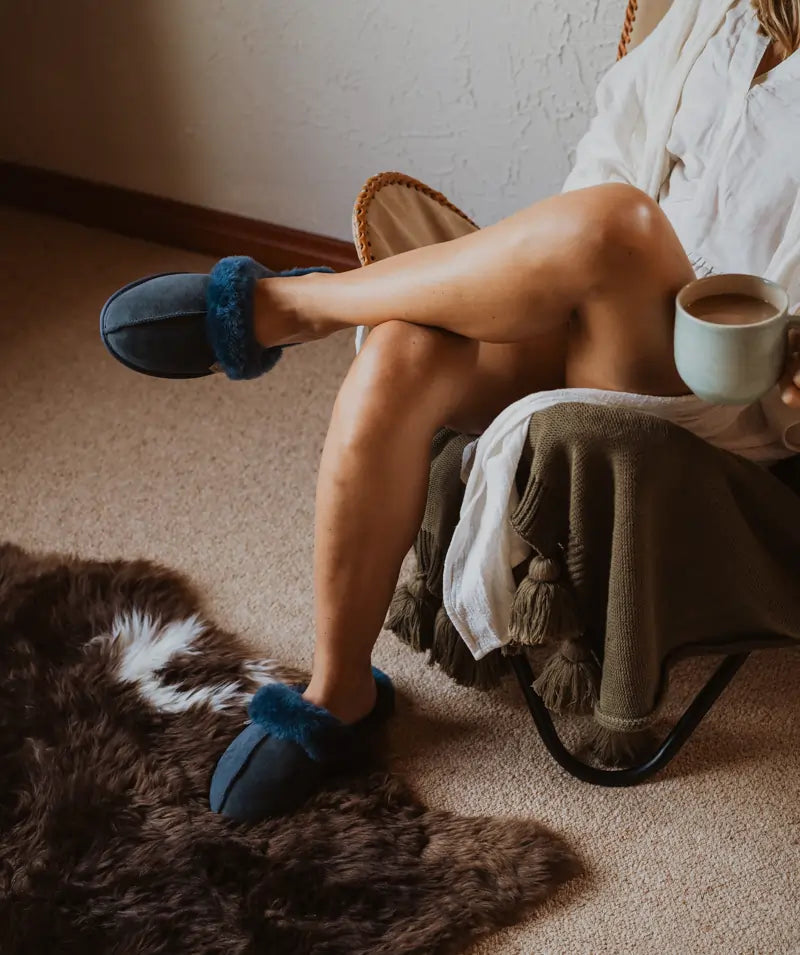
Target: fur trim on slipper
[[285, 714], [229, 316]]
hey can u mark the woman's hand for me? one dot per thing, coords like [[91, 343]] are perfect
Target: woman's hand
[[790, 380]]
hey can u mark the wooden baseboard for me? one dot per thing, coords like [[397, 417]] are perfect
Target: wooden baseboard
[[168, 221]]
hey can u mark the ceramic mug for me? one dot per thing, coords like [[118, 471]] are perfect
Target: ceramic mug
[[732, 364]]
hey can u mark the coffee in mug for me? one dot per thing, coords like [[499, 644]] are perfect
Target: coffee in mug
[[731, 337], [730, 308]]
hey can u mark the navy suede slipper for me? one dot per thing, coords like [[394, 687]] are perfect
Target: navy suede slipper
[[187, 325], [284, 755]]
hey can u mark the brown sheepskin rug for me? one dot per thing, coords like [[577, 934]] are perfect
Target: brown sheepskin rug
[[117, 696]]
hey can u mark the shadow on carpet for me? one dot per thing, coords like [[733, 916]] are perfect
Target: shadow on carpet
[[116, 698]]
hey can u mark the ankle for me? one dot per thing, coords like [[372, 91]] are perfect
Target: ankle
[[349, 699], [284, 312], [275, 318]]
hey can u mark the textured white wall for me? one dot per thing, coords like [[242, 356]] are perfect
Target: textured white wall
[[279, 109]]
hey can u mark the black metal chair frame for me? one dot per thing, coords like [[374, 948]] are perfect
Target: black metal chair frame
[[668, 749]]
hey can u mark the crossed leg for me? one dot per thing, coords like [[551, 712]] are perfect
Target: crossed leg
[[577, 290]]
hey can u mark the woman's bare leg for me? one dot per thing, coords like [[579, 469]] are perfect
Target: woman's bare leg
[[611, 327], [406, 383], [573, 258]]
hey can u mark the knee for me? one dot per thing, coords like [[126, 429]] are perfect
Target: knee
[[622, 229], [622, 215], [395, 378], [400, 357]]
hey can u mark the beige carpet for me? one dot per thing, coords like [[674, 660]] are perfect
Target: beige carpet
[[218, 480]]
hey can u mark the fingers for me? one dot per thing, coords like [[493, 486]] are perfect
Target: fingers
[[790, 380]]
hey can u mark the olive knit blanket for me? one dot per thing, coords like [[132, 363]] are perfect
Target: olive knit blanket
[[648, 544]]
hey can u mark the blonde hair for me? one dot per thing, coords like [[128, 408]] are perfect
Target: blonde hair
[[780, 20]]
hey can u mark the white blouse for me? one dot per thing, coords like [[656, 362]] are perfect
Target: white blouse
[[735, 154], [677, 118]]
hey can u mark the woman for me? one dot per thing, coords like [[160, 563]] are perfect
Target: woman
[[688, 168]]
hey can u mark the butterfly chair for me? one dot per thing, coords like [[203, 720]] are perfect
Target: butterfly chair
[[395, 213]]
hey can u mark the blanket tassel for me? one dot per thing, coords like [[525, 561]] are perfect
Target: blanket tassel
[[618, 749], [542, 608], [454, 657], [570, 680], [412, 613]]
